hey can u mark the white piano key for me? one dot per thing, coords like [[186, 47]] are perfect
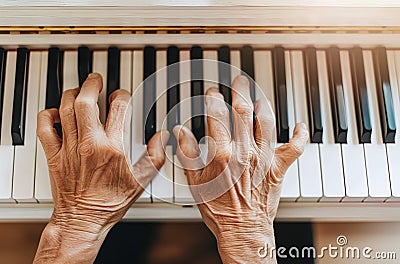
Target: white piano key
[[42, 179], [70, 75], [393, 150], [126, 84], [6, 148], [182, 192], [162, 188], [290, 185], [210, 69], [330, 152], [264, 76], [309, 162], [138, 149], [6, 139], [235, 62], [24, 159], [353, 152], [375, 153], [100, 66]]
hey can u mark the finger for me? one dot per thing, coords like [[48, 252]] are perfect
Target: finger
[[264, 124], [286, 154], [46, 132], [67, 115], [242, 112], [119, 101], [188, 150], [149, 165], [86, 108], [217, 118]]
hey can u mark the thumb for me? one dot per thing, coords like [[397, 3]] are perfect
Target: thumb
[[286, 154], [188, 150], [149, 165]]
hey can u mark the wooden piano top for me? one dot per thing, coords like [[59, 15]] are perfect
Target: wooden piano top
[[200, 13]]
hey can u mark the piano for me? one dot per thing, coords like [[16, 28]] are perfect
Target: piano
[[334, 66]]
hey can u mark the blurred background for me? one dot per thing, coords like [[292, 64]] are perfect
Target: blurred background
[[176, 243]]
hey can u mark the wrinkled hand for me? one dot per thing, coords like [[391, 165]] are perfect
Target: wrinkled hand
[[238, 191], [92, 183]]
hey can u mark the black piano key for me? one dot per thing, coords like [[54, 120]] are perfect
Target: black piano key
[[54, 78], [3, 60], [282, 122], [384, 95], [224, 73], [85, 62], [247, 66], [173, 94], [20, 95], [197, 92], [149, 93], [54, 83], [313, 97], [360, 95], [113, 72], [336, 93]]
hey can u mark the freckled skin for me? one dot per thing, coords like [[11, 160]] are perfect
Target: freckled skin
[[92, 184], [241, 216]]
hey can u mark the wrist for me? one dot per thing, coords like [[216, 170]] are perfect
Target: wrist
[[70, 242], [245, 239], [247, 245]]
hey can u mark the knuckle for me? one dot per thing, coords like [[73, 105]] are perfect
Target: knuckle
[[84, 103], [243, 109], [86, 148], [158, 159], [66, 112], [43, 132], [267, 119], [218, 112], [223, 155], [297, 149], [118, 105]]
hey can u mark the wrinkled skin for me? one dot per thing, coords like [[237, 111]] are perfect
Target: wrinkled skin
[[93, 185], [249, 175]]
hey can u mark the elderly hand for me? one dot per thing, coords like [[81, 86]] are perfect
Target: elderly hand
[[92, 183], [238, 191]]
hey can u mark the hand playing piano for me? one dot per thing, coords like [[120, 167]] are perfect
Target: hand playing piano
[[92, 182], [238, 191]]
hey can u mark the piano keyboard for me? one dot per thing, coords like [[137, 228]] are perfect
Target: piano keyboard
[[348, 98]]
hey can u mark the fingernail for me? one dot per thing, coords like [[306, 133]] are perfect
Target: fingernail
[[303, 126]]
